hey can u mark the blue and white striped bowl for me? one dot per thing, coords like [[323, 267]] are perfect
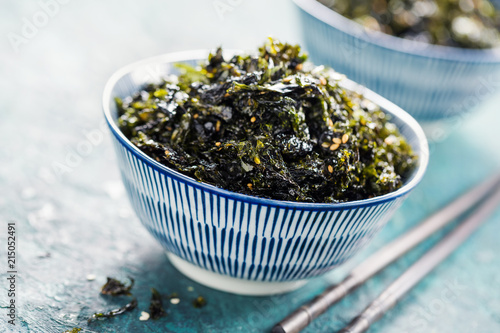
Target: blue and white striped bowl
[[235, 242], [431, 82]]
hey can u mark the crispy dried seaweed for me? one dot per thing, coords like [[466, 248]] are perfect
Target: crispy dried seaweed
[[115, 287], [113, 313], [471, 24], [199, 302], [269, 125], [156, 309]]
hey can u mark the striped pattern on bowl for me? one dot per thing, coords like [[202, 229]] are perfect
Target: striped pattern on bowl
[[238, 235], [430, 82]]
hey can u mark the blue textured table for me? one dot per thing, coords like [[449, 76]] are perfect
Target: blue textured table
[[60, 183]]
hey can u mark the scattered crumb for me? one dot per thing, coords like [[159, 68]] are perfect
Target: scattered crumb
[[74, 330], [91, 277], [190, 288], [175, 300], [156, 309], [199, 302], [144, 316]]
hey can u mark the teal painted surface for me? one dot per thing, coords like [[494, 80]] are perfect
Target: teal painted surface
[[50, 102]]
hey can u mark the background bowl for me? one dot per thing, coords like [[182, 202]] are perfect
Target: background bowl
[[235, 242], [430, 82]]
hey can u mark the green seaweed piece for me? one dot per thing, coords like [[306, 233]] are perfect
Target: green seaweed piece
[[156, 309], [270, 125], [113, 313], [471, 24], [115, 287], [199, 302]]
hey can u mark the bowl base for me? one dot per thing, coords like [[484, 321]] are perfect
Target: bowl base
[[231, 284]]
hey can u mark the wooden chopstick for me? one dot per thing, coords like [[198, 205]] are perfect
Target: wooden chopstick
[[432, 258], [303, 316]]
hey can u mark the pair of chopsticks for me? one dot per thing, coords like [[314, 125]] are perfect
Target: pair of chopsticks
[[487, 198]]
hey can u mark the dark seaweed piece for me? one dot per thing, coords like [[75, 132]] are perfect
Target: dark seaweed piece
[[115, 287], [156, 309], [199, 302], [113, 313], [269, 125], [471, 24]]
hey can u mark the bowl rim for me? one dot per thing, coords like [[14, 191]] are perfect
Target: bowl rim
[[398, 44], [388, 107]]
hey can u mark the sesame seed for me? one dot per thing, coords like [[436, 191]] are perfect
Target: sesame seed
[[345, 138], [253, 119], [144, 316], [299, 67], [337, 140], [217, 126], [195, 116], [288, 79], [389, 140], [330, 169], [322, 80], [217, 144], [330, 122], [334, 146], [227, 95], [250, 185], [167, 153], [325, 145]]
